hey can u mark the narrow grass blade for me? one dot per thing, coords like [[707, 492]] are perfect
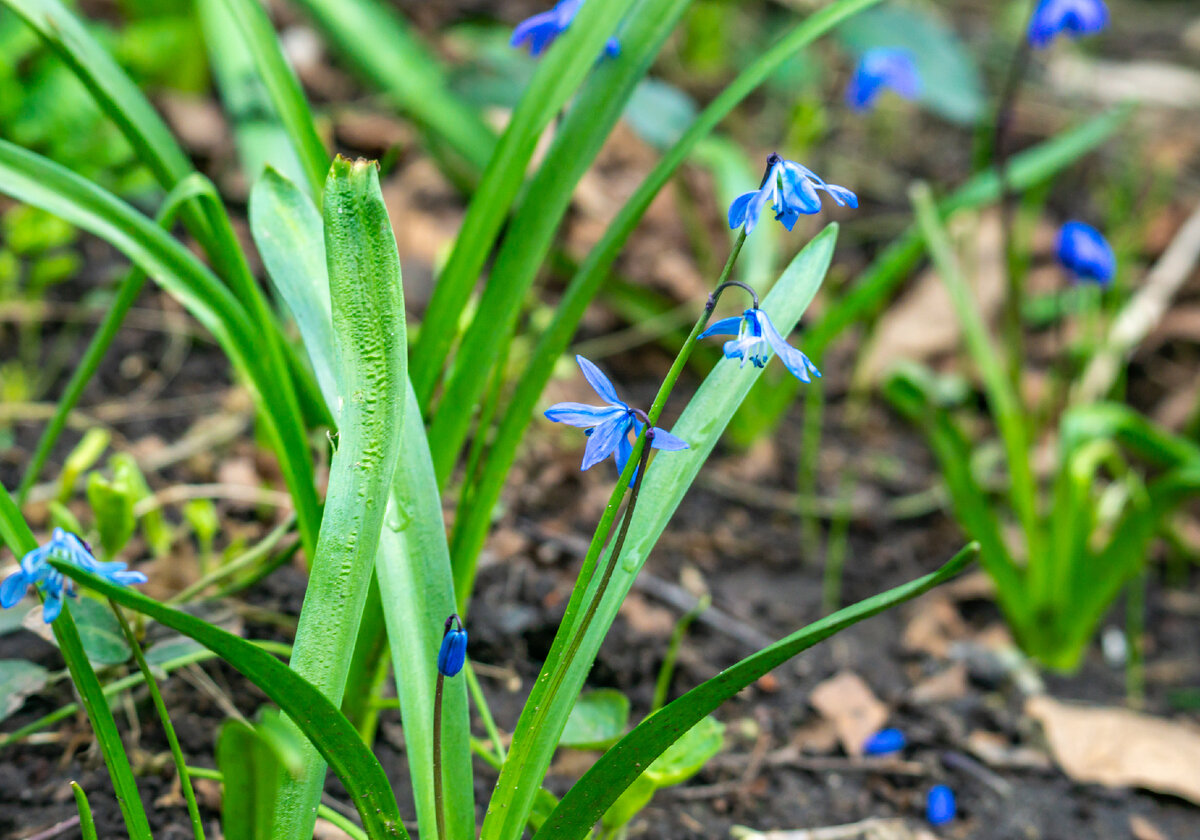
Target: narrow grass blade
[[377, 44], [283, 88], [527, 242], [87, 825], [471, 529], [618, 768], [664, 486], [319, 720], [34, 180], [20, 540], [413, 565], [559, 73], [369, 348]]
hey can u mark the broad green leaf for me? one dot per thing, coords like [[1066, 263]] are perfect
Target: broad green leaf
[[660, 113], [413, 564], [597, 721], [250, 757], [100, 633], [632, 800], [18, 680], [168, 650], [666, 482], [370, 363], [618, 768], [112, 504], [320, 721], [687, 756], [951, 81]]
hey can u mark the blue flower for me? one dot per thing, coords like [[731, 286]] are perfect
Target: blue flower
[[756, 338], [881, 68], [940, 806], [1085, 252], [36, 571], [885, 742], [791, 190], [540, 30], [1073, 17], [612, 428], [453, 653]]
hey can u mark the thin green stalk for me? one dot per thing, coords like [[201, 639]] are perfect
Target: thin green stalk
[[185, 781], [439, 805], [1004, 401], [808, 469], [87, 826], [481, 705], [1135, 633], [243, 561], [835, 547], [662, 685]]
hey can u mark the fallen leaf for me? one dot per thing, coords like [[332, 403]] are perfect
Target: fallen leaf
[[1120, 748], [935, 624], [949, 684], [817, 737], [997, 751], [855, 711]]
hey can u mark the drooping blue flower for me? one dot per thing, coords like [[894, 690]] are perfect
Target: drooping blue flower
[[940, 805], [885, 742], [1085, 252], [540, 30], [1070, 17], [36, 571], [880, 69], [791, 190], [756, 338], [453, 653], [612, 428]]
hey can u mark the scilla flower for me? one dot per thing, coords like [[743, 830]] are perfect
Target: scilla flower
[[610, 428], [756, 338], [940, 805], [36, 571], [540, 30], [1072, 17], [880, 69], [453, 653], [1085, 252], [791, 190]]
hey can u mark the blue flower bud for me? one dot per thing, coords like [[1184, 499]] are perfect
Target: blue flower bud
[[879, 69], [453, 653], [1085, 252], [1073, 18], [940, 806], [885, 742]]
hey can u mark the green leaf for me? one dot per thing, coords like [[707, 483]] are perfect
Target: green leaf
[[951, 83], [618, 768], [413, 564], [87, 826], [100, 633], [687, 756], [369, 346], [18, 680], [632, 800], [598, 720], [248, 763], [660, 113], [320, 721], [172, 649], [112, 504], [665, 484]]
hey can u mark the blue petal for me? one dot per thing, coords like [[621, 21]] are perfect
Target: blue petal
[[603, 441], [841, 195], [13, 589], [862, 91], [940, 806], [538, 31], [667, 442], [127, 578], [582, 416], [624, 450], [600, 383], [453, 652], [726, 326], [1085, 252], [792, 359], [52, 607], [739, 211], [612, 49]]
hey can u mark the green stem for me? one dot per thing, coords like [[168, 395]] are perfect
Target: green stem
[[438, 799], [87, 826], [185, 782], [243, 561], [481, 704], [662, 685]]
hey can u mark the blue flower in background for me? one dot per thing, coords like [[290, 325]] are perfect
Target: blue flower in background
[[880, 69], [791, 190], [1072, 17], [940, 806], [1085, 252], [885, 742], [36, 571], [609, 426], [540, 30], [453, 653], [756, 338]]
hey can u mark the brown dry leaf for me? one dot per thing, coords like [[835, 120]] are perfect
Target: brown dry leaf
[[645, 618], [817, 737], [935, 624], [949, 684], [854, 710], [922, 324], [1143, 829], [1120, 748], [997, 751]]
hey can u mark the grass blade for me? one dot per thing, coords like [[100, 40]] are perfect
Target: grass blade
[[320, 721], [559, 73], [592, 795]]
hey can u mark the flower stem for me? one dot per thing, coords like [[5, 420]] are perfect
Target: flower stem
[[185, 781], [439, 802]]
